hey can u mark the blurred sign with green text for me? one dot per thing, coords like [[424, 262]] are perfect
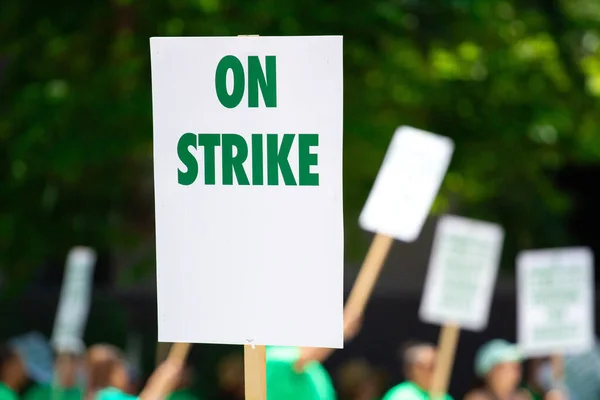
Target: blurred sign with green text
[[555, 301]]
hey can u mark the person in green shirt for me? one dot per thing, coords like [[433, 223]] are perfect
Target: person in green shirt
[[13, 374], [498, 365], [114, 374], [286, 382], [357, 379], [67, 367], [160, 384], [418, 360], [183, 389]]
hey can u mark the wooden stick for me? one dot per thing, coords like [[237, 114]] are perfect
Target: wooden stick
[[162, 350], [179, 352], [164, 378], [255, 361], [445, 359], [255, 372], [558, 368], [358, 299], [368, 274]]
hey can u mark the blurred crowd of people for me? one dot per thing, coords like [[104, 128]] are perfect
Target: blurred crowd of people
[[102, 372], [501, 373]]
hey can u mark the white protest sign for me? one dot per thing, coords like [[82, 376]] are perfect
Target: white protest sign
[[555, 301], [462, 272], [248, 187], [408, 181], [75, 298]]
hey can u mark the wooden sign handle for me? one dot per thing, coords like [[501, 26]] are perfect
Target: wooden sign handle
[[445, 359], [179, 352], [255, 372], [557, 363], [162, 351], [359, 296], [368, 274]]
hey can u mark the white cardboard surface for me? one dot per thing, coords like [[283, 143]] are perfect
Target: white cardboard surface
[[408, 181], [462, 272], [555, 301], [75, 298], [249, 264]]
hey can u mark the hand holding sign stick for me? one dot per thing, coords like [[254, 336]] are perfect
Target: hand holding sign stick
[[165, 376], [179, 352], [357, 301], [406, 185]]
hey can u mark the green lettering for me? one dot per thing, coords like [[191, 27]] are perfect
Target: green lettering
[[209, 141], [234, 164], [306, 159], [277, 159], [183, 151], [230, 63], [267, 82], [257, 159]]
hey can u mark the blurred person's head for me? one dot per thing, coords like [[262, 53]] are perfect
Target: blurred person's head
[[498, 364], [418, 359], [357, 380], [12, 369], [106, 367], [230, 374], [68, 361], [67, 367]]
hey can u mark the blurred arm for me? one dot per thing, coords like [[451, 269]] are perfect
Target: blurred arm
[[352, 325], [163, 380], [357, 301]]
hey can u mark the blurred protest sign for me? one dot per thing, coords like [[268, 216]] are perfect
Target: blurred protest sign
[[34, 350], [460, 283], [398, 204], [555, 302], [75, 298], [462, 272], [248, 187], [408, 181]]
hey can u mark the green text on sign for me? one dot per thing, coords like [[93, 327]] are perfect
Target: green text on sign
[[257, 79], [234, 154]]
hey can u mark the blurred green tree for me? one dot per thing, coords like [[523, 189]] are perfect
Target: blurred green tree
[[514, 83]]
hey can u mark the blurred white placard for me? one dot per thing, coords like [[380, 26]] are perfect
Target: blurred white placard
[[462, 272], [408, 181], [555, 301], [75, 297], [248, 187]]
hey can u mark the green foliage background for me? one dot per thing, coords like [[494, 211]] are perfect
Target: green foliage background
[[514, 83]]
